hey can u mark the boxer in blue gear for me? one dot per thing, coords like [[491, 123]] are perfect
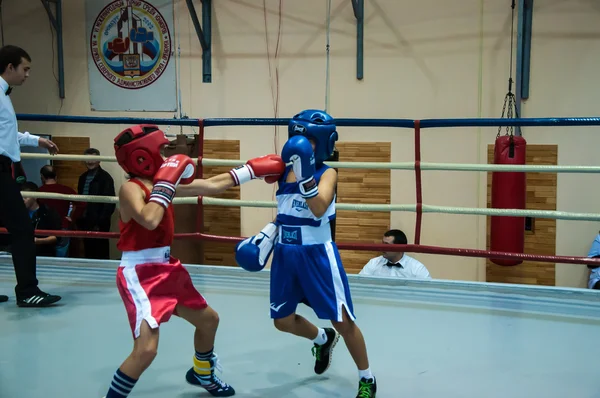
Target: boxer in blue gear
[[306, 265]]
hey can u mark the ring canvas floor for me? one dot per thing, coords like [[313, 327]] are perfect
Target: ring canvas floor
[[424, 340]]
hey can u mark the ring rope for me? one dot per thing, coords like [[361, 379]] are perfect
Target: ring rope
[[406, 123], [444, 251], [558, 215], [363, 165], [434, 166]]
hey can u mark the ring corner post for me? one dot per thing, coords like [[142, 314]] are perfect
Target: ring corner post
[[419, 192], [200, 174]]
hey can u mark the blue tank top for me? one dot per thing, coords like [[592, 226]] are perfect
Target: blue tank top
[[293, 211]]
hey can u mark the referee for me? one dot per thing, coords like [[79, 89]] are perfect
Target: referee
[[14, 70]]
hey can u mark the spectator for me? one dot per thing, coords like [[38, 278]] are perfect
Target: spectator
[[395, 264], [96, 216], [42, 217], [64, 208], [50, 183], [594, 281]]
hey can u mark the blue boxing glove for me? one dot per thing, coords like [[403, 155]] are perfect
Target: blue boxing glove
[[253, 253], [298, 150]]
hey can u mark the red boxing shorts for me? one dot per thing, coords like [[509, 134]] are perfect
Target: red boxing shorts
[[151, 288]]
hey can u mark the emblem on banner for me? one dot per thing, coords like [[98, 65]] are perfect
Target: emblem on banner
[[130, 43]]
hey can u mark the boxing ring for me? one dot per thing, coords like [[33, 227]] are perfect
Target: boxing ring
[[426, 338]]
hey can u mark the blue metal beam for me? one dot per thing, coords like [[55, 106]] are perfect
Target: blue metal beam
[[523, 54], [527, 20], [207, 53], [56, 22], [359, 12], [204, 35], [60, 50]]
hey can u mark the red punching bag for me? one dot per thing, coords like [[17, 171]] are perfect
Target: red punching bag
[[509, 191]]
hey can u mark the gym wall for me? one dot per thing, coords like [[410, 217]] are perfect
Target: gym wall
[[427, 59]]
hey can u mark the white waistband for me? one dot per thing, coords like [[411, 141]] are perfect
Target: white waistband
[[154, 255], [304, 234]]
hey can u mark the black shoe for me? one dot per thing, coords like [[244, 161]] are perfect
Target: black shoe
[[323, 353], [3, 298], [39, 299], [367, 388]]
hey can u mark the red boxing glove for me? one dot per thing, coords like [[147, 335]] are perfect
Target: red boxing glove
[[269, 167], [272, 179], [175, 170]]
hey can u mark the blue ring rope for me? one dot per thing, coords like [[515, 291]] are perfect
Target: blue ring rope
[[403, 123]]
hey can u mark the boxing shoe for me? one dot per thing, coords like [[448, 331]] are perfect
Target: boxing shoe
[[210, 382], [324, 353], [367, 388]]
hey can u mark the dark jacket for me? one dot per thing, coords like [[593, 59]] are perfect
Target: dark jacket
[[46, 218], [97, 215]]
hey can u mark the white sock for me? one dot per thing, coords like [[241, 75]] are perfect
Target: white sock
[[321, 337], [366, 374]]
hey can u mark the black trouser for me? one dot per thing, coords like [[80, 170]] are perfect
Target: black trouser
[[96, 248], [15, 218]]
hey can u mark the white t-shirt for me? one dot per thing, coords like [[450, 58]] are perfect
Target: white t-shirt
[[408, 267]]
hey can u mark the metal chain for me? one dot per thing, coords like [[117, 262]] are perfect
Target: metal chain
[[510, 110], [510, 99]]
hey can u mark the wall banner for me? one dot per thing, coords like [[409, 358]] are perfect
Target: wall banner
[[130, 62]]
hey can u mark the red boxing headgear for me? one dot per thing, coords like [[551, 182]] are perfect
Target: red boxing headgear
[[138, 149]]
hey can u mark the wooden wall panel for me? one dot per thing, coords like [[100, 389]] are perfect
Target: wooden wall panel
[[68, 171], [541, 195], [362, 186], [221, 220]]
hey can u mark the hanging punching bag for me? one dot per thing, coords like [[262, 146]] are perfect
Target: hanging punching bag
[[508, 192]]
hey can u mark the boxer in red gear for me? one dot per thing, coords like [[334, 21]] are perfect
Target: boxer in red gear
[[153, 284]]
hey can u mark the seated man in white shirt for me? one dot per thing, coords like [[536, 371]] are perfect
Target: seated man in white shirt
[[594, 280], [395, 264]]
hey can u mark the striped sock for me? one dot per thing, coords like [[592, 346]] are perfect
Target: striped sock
[[203, 367], [121, 385]]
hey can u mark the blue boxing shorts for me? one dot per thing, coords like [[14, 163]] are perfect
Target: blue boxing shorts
[[312, 274]]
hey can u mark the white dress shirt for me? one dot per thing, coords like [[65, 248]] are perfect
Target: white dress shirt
[[407, 267], [10, 138]]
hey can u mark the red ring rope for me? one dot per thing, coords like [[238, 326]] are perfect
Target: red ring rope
[[445, 251]]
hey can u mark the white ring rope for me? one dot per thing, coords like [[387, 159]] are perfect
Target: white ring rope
[[84, 158], [558, 215], [363, 165]]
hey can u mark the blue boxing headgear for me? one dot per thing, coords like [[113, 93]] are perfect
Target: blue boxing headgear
[[319, 126]]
